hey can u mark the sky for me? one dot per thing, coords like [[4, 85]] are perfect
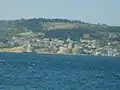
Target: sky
[[91, 11]]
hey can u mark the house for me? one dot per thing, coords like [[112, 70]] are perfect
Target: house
[[86, 36]]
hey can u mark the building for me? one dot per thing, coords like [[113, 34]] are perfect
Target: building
[[64, 50], [70, 45], [86, 36]]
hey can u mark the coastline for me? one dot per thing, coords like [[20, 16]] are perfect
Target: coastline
[[60, 54], [21, 49], [14, 49]]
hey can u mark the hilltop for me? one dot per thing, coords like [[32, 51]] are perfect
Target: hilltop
[[58, 28]]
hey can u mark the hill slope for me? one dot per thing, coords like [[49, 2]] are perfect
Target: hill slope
[[52, 27]]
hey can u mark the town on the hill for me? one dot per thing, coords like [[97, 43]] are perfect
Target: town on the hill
[[88, 44]]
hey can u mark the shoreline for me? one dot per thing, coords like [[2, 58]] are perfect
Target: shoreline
[[46, 53]]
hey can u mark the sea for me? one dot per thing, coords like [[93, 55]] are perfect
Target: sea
[[31, 71]]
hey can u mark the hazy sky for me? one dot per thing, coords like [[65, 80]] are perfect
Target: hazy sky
[[93, 11]]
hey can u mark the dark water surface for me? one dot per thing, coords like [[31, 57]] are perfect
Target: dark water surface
[[30, 71]]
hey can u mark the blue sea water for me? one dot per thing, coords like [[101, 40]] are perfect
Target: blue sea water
[[30, 71]]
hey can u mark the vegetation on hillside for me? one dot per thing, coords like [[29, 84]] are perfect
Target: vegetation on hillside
[[52, 27]]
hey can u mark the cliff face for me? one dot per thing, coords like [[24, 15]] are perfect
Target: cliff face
[[15, 49]]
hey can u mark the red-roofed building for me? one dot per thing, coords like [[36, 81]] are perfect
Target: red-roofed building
[[86, 36]]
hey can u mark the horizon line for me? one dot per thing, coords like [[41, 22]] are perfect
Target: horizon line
[[27, 18]]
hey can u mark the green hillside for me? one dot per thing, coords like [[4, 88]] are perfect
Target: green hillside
[[52, 27]]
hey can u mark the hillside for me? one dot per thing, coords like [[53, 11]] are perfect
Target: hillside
[[52, 27]]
